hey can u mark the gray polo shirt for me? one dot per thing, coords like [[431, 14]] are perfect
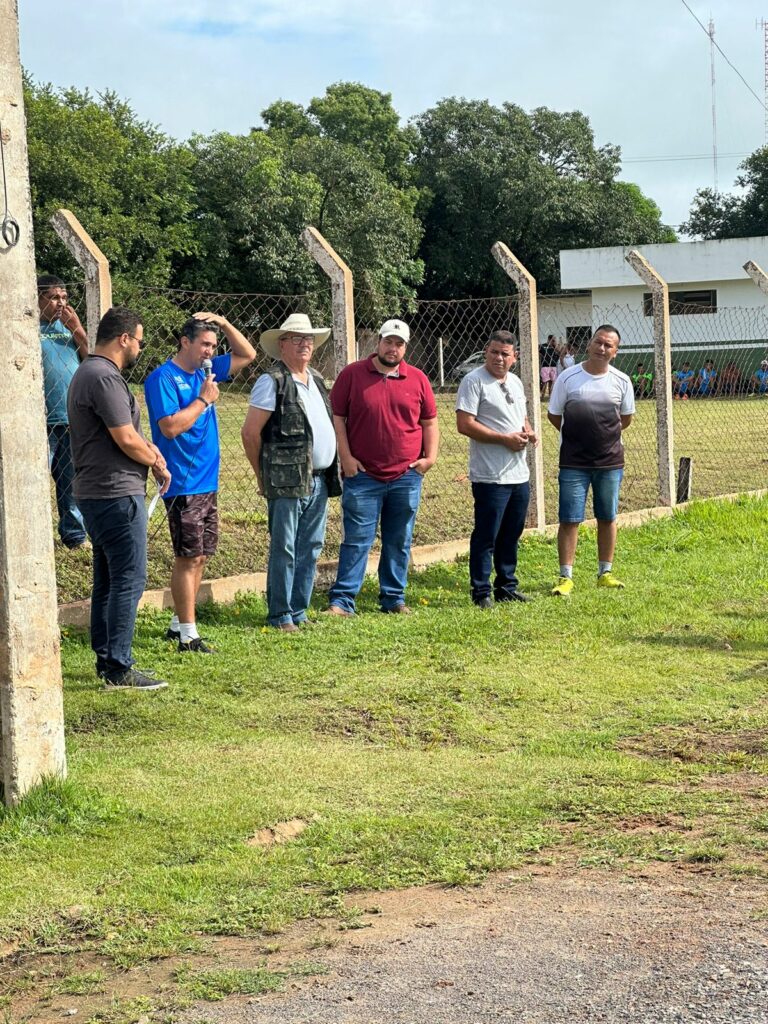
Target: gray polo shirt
[[264, 396], [481, 395]]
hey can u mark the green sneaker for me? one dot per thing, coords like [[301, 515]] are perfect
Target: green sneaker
[[609, 580], [563, 587]]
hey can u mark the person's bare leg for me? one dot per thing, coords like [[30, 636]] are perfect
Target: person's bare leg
[[185, 582], [606, 540], [567, 538]]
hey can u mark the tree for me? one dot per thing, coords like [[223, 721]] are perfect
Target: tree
[[250, 209], [536, 181], [721, 215], [127, 182], [353, 115]]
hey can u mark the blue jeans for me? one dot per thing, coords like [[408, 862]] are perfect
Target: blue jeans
[[500, 511], [574, 485], [297, 533], [71, 528], [118, 530], [363, 502]]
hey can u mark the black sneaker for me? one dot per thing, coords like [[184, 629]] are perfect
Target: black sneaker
[[483, 602], [515, 595], [196, 646], [133, 679], [172, 634]]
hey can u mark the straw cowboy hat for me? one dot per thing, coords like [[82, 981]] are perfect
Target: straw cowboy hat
[[297, 323]]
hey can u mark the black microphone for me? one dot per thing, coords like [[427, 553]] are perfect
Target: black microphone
[[207, 367]]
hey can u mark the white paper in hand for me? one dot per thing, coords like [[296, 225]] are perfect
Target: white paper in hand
[[155, 499]]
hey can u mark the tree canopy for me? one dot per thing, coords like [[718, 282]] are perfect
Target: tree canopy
[[721, 215], [412, 208], [127, 182], [535, 181]]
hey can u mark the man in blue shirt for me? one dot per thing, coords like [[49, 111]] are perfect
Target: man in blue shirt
[[707, 379], [682, 381], [181, 399], [760, 379], [64, 343]]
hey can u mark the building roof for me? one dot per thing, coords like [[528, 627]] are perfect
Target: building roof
[[677, 262]]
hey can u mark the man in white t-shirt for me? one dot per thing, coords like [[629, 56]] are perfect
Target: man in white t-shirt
[[491, 412], [591, 404]]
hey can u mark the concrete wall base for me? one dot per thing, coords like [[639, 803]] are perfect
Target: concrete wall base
[[226, 589]]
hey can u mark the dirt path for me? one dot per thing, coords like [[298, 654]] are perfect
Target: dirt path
[[664, 946]]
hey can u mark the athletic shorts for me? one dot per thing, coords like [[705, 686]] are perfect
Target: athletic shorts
[[548, 374], [574, 485], [193, 520]]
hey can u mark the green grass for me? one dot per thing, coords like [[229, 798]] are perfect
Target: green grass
[[725, 437], [433, 748]]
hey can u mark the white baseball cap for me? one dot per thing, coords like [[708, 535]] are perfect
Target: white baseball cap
[[396, 327]]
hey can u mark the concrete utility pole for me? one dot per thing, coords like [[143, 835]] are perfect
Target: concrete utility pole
[[31, 707]]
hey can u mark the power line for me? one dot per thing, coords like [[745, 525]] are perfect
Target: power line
[[705, 30], [672, 159]]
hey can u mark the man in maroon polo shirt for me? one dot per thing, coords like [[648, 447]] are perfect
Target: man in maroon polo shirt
[[385, 418]]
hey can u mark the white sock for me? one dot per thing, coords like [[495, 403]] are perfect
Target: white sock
[[567, 571], [188, 632], [603, 567], [174, 623]]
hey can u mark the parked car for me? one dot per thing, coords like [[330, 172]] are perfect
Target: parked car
[[460, 371]]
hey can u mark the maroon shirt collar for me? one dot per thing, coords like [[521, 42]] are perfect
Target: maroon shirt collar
[[402, 368]]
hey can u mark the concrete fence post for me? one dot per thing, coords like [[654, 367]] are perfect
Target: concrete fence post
[[758, 275], [94, 264], [667, 491], [528, 334], [342, 297], [31, 709]]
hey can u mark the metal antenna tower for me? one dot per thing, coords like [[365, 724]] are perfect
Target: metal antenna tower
[[763, 24], [711, 33]]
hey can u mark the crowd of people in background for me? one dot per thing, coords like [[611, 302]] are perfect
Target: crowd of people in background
[[557, 355]]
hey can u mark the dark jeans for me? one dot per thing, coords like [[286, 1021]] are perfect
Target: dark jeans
[[500, 511], [71, 529], [118, 530]]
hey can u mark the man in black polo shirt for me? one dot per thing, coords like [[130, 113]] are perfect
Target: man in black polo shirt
[[111, 459]]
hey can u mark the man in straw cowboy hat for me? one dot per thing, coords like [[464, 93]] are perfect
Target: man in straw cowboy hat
[[386, 423], [289, 439]]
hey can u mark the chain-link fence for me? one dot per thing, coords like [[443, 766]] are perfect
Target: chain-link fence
[[720, 410]]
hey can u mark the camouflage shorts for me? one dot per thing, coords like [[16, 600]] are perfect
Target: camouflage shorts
[[193, 520]]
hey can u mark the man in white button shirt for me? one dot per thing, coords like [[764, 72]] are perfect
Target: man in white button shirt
[[491, 412], [289, 439]]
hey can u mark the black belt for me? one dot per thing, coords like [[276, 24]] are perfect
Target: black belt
[[319, 472]]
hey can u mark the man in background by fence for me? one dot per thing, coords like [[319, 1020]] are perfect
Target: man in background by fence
[[385, 416], [491, 412], [111, 459], [181, 399], [64, 344], [289, 439], [590, 406]]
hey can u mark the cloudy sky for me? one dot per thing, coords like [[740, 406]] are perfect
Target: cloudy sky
[[640, 71]]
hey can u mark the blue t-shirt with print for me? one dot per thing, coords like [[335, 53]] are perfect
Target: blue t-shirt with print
[[60, 360], [192, 457], [762, 379]]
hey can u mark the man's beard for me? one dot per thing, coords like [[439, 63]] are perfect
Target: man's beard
[[390, 360]]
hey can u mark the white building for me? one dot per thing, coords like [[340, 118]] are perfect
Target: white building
[[715, 308]]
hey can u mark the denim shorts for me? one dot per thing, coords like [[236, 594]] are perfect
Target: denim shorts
[[574, 484]]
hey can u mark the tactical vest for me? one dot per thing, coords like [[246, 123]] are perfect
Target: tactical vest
[[286, 442]]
